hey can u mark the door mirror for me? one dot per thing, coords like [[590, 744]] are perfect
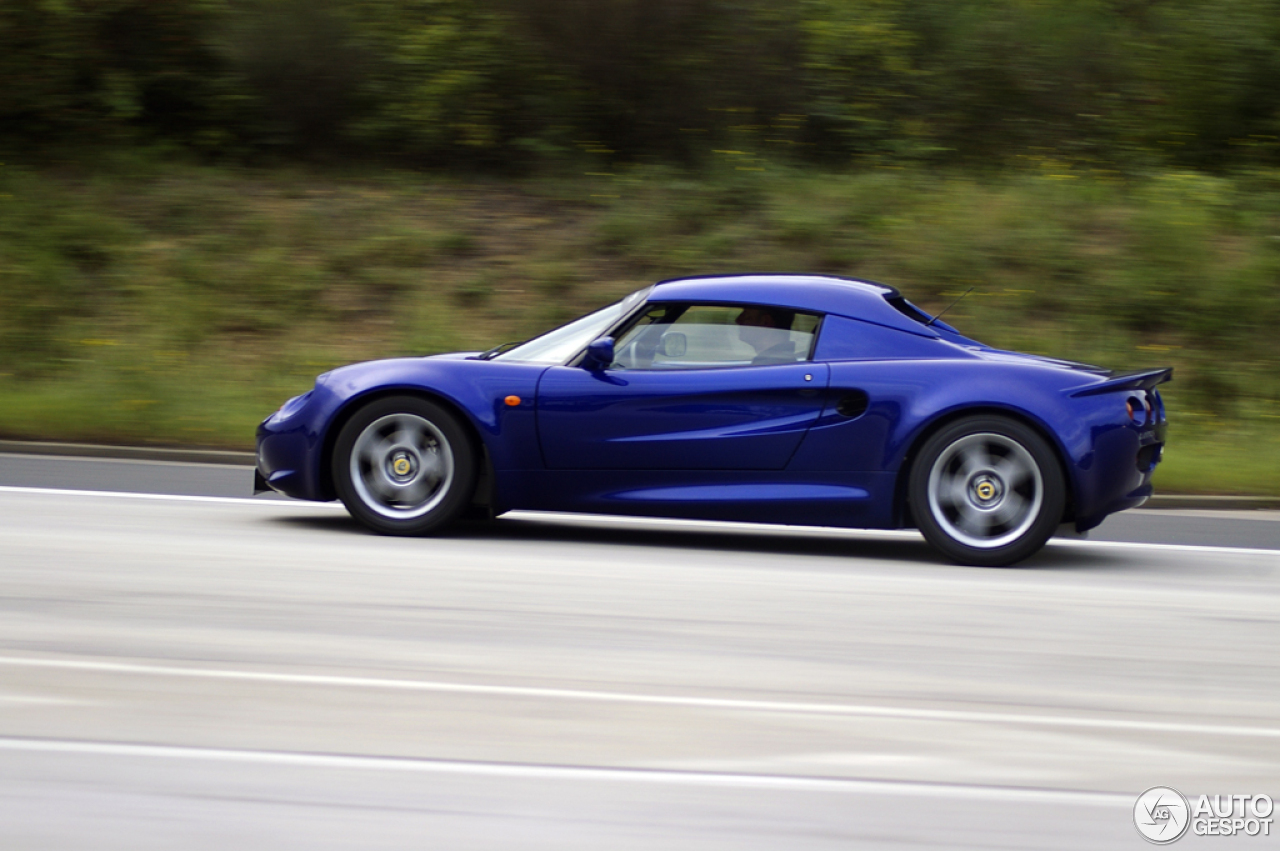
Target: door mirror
[[599, 354], [673, 345]]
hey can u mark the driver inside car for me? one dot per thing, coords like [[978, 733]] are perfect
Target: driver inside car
[[768, 331]]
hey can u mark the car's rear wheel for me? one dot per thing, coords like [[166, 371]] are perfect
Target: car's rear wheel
[[404, 466], [986, 491]]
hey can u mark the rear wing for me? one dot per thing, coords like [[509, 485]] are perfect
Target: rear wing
[[1144, 379]]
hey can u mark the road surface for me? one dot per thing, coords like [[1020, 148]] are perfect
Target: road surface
[[207, 671]]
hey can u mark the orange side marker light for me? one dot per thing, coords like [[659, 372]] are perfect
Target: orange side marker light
[[512, 401]]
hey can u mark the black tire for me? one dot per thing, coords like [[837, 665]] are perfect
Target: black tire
[[404, 466], [986, 491]]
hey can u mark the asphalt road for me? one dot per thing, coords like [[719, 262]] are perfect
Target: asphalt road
[[1250, 529], [216, 672]]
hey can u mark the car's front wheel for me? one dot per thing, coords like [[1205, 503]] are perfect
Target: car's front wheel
[[404, 466], [986, 490]]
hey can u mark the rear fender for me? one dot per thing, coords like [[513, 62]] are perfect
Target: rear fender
[[902, 511]]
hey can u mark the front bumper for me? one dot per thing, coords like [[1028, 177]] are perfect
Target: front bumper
[[290, 443]]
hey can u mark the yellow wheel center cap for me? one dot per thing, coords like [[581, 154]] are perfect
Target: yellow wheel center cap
[[401, 466], [986, 490]]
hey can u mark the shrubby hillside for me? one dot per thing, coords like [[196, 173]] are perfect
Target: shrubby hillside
[[203, 203]]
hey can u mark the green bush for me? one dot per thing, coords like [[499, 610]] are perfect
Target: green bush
[[122, 290], [506, 85]]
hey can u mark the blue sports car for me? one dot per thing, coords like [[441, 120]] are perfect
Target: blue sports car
[[790, 399]]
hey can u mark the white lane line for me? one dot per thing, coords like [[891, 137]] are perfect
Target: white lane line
[[38, 700], [846, 709], [710, 525], [238, 464], [894, 534], [225, 500], [655, 522], [570, 772], [1181, 548]]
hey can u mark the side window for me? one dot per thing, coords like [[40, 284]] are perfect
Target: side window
[[702, 336]]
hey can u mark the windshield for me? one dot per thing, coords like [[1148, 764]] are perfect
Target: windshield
[[566, 341]]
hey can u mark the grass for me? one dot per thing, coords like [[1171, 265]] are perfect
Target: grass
[[163, 303], [1240, 458]]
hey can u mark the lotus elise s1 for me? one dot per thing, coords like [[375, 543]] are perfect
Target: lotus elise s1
[[790, 399]]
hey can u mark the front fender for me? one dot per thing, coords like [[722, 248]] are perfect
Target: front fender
[[293, 445]]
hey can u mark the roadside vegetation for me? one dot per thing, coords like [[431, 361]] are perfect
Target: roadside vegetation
[[204, 203], [172, 304]]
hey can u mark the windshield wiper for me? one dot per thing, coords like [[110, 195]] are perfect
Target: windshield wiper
[[498, 349]]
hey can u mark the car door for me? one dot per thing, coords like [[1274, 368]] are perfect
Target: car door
[[685, 393]]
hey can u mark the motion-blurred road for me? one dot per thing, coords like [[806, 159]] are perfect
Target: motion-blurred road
[[212, 672]]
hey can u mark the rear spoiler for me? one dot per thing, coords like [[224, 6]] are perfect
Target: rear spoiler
[[1143, 379]]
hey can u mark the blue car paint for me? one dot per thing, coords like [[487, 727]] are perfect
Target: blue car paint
[[755, 443], [815, 499], [853, 339], [746, 418], [475, 389]]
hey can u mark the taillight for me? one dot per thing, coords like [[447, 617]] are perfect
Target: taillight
[[1141, 410]]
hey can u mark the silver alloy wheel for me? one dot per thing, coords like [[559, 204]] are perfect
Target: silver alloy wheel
[[401, 466], [985, 490]]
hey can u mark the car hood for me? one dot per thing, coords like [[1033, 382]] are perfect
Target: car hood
[[451, 356]]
